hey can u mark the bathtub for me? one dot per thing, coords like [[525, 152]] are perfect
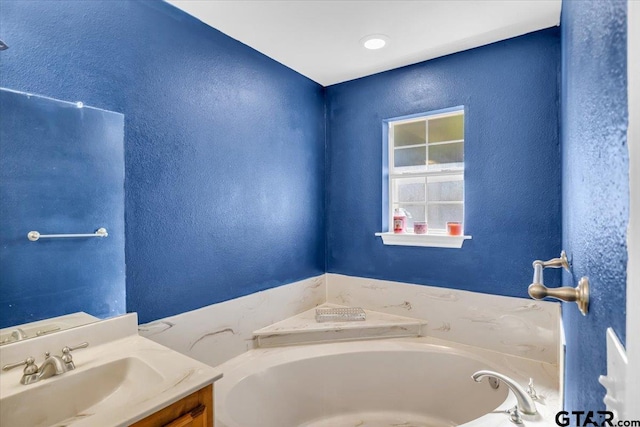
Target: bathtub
[[410, 382]]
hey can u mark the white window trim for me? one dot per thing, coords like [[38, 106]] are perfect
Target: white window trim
[[434, 239]]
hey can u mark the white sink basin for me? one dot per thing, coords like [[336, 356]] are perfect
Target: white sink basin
[[79, 394], [120, 378]]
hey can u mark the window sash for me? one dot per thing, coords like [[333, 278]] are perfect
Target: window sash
[[446, 172], [421, 200]]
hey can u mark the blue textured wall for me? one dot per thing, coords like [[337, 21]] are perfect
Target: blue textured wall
[[224, 147], [512, 166], [595, 192], [61, 171]]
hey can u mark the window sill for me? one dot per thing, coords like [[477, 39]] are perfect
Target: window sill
[[425, 240]]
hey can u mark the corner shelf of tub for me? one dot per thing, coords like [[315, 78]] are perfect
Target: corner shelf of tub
[[430, 240], [303, 329]]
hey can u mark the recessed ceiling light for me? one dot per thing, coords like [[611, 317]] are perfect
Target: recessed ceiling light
[[374, 41]]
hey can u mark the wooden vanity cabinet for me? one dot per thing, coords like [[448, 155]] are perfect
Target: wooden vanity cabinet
[[195, 410]]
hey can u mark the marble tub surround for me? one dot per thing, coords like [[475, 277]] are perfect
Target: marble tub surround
[[303, 328], [219, 332], [516, 326], [111, 341]]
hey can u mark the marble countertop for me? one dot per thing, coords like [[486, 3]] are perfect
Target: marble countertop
[[175, 375]]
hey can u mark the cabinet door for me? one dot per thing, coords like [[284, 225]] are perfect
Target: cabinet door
[[195, 410], [196, 418]]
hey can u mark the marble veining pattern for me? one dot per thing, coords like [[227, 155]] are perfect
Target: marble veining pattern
[[222, 331], [219, 332], [155, 328], [509, 325], [211, 334], [446, 327], [303, 328]]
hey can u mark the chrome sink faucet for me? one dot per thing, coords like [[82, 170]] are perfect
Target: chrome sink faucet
[[52, 365], [525, 404], [16, 335]]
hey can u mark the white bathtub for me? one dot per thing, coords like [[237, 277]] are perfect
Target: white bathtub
[[413, 382]]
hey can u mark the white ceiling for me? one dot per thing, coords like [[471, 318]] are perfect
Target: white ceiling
[[321, 38]]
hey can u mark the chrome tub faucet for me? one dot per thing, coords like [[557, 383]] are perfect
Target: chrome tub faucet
[[525, 405]]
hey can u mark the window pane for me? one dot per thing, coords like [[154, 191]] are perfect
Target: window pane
[[450, 155], [410, 157], [410, 134], [409, 190], [446, 129], [426, 147], [446, 188], [441, 213], [416, 213]]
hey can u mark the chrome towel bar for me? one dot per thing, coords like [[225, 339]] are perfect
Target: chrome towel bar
[[35, 236]]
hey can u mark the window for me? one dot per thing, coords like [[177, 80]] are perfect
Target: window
[[425, 179]]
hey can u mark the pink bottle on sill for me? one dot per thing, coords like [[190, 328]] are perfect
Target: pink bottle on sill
[[399, 221]]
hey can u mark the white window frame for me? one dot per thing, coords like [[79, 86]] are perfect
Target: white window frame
[[433, 238]]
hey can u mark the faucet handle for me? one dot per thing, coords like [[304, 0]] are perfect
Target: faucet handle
[[76, 347], [66, 353], [29, 369], [514, 415], [531, 391]]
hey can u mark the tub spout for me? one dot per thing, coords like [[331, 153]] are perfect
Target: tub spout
[[526, 405]]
